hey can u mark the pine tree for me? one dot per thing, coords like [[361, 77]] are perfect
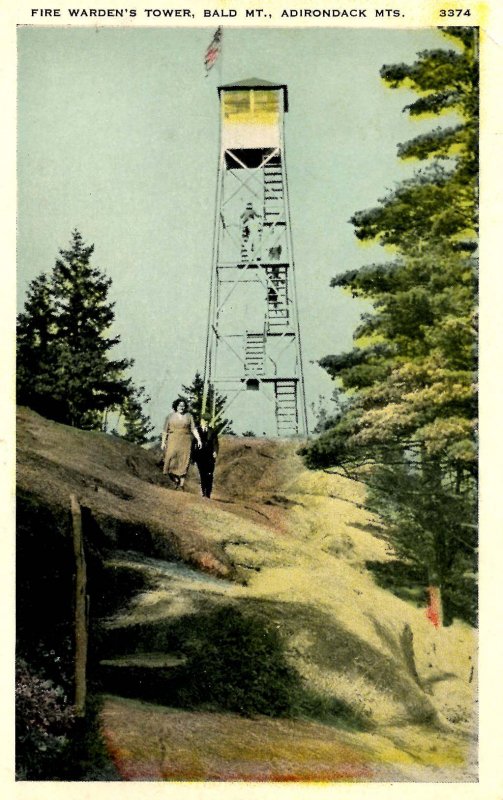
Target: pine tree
[[91, 381], [137, 425], [215, 404], [430, 523], [65, 371], [36, 358], [410, 422]]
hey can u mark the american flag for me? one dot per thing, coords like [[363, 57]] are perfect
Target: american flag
[[213, 50]]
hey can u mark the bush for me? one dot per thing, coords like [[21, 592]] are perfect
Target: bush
[[44, 722]]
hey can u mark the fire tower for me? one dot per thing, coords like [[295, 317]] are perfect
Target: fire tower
[[253, 339]]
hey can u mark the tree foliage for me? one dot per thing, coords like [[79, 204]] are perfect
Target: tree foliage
[[214, 406], [410, 421], [137, 426], [44, 724], [65, 370]]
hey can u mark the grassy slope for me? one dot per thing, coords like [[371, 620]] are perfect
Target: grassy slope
[[297, 543], [150, 742]]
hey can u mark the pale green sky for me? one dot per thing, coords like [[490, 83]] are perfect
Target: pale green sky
[[118, 136]]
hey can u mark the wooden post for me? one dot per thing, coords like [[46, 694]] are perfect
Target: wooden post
[[80, 608]]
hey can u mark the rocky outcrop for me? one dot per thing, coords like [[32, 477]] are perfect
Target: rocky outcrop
[[277, 549]]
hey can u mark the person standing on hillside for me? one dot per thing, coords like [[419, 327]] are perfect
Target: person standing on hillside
[[205, 456], [177, 436]]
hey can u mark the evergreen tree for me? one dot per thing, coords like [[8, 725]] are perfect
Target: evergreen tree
[[431, 524], [137, 425], [215, 404], [36, 361], [410, 422], [65, 371]]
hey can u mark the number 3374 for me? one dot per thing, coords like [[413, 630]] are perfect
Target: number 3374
[[455, 12]]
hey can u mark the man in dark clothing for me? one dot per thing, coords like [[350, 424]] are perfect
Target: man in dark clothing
[[205, 456]]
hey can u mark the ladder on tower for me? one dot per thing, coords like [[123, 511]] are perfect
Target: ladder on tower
[[277, 299], [286, 406], [274, 209], [254, 354]]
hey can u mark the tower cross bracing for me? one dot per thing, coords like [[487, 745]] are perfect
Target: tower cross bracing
[[253, 336]]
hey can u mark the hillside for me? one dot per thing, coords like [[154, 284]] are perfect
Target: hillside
[[380, 693]]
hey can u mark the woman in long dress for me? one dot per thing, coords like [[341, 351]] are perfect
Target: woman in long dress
[[179, 429]]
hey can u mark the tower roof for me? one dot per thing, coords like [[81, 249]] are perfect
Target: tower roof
[[256, 83]]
